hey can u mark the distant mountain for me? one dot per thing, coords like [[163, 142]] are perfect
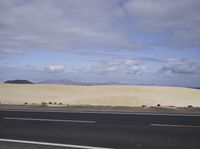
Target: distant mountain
[[18, 82], [106, 83], [62, 81], [70, 82]]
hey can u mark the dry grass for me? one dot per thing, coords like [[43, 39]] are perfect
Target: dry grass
[[99, 95]]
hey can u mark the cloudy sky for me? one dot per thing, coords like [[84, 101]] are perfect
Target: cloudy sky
[[128, 41]]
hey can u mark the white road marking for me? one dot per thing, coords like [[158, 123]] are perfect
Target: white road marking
[[51, 144], [48, 120], [107, 112], [169, 125]]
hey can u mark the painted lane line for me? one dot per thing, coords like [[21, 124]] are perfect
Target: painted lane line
[[48, 120], [51, 144], [169, 125], [108, 112]]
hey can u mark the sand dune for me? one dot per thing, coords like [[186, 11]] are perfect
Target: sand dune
[[99, 95]]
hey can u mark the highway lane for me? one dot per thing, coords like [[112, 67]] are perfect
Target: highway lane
[[99, 129]]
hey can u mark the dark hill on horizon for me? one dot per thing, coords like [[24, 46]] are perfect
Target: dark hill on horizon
[[18, 82]]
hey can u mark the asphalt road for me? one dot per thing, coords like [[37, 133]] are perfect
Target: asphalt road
[[48, 130]]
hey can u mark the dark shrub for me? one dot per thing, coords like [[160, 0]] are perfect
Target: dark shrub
[[43, 103]]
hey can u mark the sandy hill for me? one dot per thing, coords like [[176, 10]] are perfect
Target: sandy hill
[[99, 95]]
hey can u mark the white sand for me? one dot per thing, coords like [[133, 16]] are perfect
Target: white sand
[[99, 95]]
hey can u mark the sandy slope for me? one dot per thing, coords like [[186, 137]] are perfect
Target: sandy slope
[[99, 95]]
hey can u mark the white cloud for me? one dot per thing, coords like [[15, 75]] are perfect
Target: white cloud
[[62, 25], [89, 24], [184, 39], [118, 66], [55, 68], [162, 14], [182, 66], [180, 19]]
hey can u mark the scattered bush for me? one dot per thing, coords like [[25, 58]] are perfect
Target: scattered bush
[[34, 104], [143, 106], [55, 103], [190, 106], [43, 103], [25, 103], [50, 102], [158, 105], [60, 103]]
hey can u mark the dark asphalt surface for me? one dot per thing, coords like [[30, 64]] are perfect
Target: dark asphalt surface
[[120, 131]]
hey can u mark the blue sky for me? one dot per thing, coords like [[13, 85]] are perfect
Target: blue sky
[[129, 41]]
